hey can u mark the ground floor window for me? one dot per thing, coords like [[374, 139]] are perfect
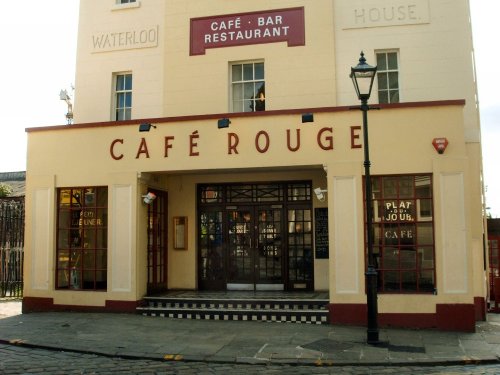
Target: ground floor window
[[82, 240], [404, 233]]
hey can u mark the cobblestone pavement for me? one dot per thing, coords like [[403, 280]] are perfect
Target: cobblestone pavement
[[22, 360]]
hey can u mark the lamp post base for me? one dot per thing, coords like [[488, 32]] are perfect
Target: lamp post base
[[372, 332]]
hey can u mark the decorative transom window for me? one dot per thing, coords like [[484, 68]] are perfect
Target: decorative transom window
[[82, 238], [125, 1], [403, 233], [388, 77], [123, 97], [248, 87]]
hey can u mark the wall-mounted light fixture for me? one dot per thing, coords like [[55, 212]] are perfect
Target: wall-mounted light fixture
[[440, 144], [307, 117], [145, 127], [320, 193], [149, 197], [223, 123]]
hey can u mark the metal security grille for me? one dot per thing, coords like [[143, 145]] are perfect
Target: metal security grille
[[11, 247]]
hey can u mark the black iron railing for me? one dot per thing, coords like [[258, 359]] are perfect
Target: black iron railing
[[11, 247]]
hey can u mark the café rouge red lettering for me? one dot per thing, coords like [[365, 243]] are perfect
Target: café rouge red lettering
[[248, 28], [262, 143]]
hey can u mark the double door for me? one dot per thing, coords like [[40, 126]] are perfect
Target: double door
[[255, 248]]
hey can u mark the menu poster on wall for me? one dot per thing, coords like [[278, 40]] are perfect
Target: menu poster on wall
[[321, 232]]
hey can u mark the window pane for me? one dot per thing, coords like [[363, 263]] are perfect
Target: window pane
[[391, 258], [63, 259], [248, 106], [128, 82], [248, 72], [409, 281], [120, 83], [382, 81], [63, 279], [381, 61], [390, 187], [394, 96], [128, 99], [248, 90], [426, 281], [425, 235], [423, 186], [383, 97], [393, 80], [88, 259], [237, 73], [259, 71], [392, 58], [237, 91], [121, 100], [391, 281], [408, 259]]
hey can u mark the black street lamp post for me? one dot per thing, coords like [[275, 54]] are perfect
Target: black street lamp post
[[362, 76]]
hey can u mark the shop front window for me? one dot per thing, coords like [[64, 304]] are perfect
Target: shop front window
[[82, 241], [404, 233]]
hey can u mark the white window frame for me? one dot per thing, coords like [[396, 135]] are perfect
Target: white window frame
[[116, 92], [125, 4], [231, 83], [398, 71]]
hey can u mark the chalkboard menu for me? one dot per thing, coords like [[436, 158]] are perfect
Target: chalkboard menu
[[321, 232]]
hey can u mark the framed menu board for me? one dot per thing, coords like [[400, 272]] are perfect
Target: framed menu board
[[321, 232]]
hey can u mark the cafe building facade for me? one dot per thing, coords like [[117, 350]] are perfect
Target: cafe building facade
[[218, 146]]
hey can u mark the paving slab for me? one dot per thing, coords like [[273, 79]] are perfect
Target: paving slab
[[137, 336]]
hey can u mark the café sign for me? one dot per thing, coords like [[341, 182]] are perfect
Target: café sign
[[282, 25]]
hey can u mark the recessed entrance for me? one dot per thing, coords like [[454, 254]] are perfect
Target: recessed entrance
[[255, 237]]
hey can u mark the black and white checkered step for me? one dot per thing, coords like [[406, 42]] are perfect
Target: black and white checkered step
[[294, 311]]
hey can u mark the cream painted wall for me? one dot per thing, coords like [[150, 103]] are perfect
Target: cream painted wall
[[143, 165], [167, 81], [434, 41]]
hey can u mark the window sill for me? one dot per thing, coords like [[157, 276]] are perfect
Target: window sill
[[137, 4]]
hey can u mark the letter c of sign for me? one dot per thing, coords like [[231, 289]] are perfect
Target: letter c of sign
[[112, 149]]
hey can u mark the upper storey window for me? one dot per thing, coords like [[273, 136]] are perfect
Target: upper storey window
[[248, 87], [388, 77], [123, 97], [125, 1]]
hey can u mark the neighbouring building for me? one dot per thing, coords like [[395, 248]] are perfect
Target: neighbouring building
[[214, 148]]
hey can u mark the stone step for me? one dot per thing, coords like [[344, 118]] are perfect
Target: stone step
[[308, 316], [310, 311]]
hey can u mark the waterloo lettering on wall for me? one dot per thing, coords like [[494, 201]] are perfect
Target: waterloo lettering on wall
[[362, 13], [145, 37], [283, 25]]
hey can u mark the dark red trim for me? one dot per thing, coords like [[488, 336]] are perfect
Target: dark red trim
[[480, 308], [448, 317], [39, 304], [437, 103]]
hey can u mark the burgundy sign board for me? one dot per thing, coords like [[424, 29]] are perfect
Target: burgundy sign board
[[281, 25]]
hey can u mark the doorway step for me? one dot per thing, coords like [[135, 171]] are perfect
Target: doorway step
[[306, 308]]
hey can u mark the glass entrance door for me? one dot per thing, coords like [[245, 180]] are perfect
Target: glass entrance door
[[255, 249], [157, 240], [255, 236]]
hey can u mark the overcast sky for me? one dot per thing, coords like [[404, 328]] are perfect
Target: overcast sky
[[38, 39]]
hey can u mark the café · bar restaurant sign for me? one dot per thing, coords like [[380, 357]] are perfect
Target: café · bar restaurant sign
[[281, 25]]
